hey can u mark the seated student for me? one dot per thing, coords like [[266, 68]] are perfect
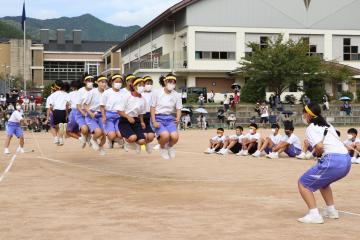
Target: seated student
[[306, 151], [290, 143], [250, 141], [266, 145], [216, 143], [352, 144], [233, 143]]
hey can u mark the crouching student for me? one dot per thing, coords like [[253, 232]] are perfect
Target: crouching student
[[290, 143], [149, 132], [352, 144], [250, 141], [164, 103], [132, 110], [216, 142], [14, 128], [233, 143], [266, 145]]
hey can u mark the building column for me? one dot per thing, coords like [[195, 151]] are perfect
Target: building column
[[191, 47], [191, 81], [240, 45], [328, 47]]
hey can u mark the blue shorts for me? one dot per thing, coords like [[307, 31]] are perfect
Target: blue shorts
[[14, 128], [268, 149], [329, 169], [72, 126], [127, 129], [51, 120], [94, 123], [292, 151], [167, 124], [112, 122], [80, 119]]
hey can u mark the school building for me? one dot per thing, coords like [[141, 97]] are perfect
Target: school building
[[203, 41], [48, 59]]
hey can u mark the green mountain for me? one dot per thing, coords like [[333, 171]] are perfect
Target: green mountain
[[92, 28], [9, 31]]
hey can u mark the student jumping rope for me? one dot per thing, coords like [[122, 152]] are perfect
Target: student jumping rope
[[93, 118], [14, 128], [149, 132], [333, 165], [131, 111], [50, 115], [72, 126], [164, 103]]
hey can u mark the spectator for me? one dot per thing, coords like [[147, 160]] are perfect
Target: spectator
[[186, 121], [264, 114], [202, 122], [26, 104], [2, 99], [184, 96], [32, 104], [278, 101], [231, 120], [211, 96], [257, 109], [347, 108], [236, 99], [201, 99], [220, 115], [306, 100], [272, 102], [226, 103]]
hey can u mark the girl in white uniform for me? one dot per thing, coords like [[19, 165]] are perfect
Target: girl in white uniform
[[50, 116], [72, 126], [164, 103], [14, 128], [93, 117], [132, 110], [149, 132]]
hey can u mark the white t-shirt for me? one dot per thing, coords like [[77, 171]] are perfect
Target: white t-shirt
[[73, 99], [292, 140], [227, 101], [81, 95], [166, 103], [133, 106], [3, 99], [218, 139], [59, 100], [125, 92], [111, 100], [147, 96], [48, 100], [253, 136], [332, 143], [276, 139], [16, 117], [264, 111], [349, 142], [93, 99]]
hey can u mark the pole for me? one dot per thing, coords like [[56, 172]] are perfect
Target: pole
[[24, 57]]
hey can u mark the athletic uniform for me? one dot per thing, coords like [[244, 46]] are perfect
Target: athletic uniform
[[59, 101], [294, 148], [93, 100], [72, 125], [79, 99], [238, 146], [334, 164], [147, 118], [13, 124], [165, 105], [220, 139], [51, 115], [251, 137], [111, 100], [350, 142], [276, 139]]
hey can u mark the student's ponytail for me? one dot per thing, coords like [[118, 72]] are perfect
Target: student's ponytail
[[162, 81], [315, 113]]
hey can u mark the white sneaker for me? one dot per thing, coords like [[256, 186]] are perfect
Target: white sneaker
[[20, 150], [357, 161], [309, 155], [312, 219], [353, 160], [7, 151], [209, 151], [330, 214], [56, 140], [257, 154], [61, 142], [94, 144], [138, 148], [156, 147], [273, 155], [240, 153], [245, 153], [164, 153], [302, 155], [102, 151], [224, 151], [172, 152], [148, 148], [82, 141]]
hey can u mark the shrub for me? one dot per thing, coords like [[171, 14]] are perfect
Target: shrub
[[347, 94], [252, 92], [290, 99], [358, 95]]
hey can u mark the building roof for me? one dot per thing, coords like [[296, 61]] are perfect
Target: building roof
[[169, 12], [85, 46]]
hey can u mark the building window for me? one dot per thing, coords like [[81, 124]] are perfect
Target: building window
[[66, 71], [264, 42], [215, 55], [351, 52]]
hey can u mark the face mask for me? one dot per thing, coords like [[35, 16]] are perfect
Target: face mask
[[251, 130], [18, 107], [349, 136], [89, 85], [273, 130], [148, 88], [304, 120], [117, 86], [140, 89], [170, 86], [219, 135]]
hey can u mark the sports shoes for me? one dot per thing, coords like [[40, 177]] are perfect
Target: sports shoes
[[257, 154], [148, 148], [332, 214], [309, 155], [20, 150], [164, 153], [354, 160], [156, 147], [312, 219], [6, 151], [273, 155], [357, 161], [102, 151], [94, 145], [82, 141], [137, 148], [240, 153], [302, 155], [210, 151], [224, 151], [56, 140], [245, 153], [172, 152], [61, 142]]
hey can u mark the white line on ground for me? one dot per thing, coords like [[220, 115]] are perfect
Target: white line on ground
[[349, 213], [7, 169]]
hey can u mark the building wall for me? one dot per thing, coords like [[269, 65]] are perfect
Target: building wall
[[17, 58], [4, 56]]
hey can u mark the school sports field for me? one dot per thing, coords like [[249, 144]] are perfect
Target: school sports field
[[69, 193]]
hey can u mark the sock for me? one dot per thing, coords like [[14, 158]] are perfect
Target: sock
[[331, 208], [314, 212]]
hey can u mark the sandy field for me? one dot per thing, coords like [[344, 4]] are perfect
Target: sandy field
[[70, 193]]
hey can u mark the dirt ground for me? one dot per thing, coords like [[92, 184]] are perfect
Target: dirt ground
[[70, 193]]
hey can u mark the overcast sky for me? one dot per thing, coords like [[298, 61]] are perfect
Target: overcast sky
[[117, 12]]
